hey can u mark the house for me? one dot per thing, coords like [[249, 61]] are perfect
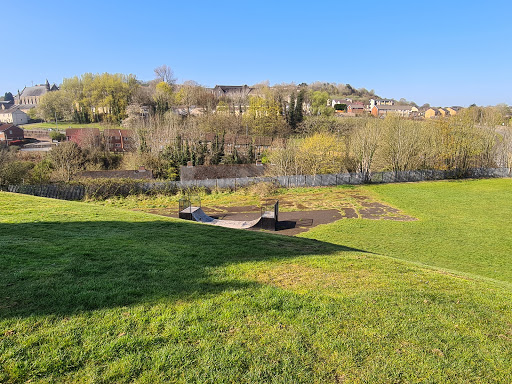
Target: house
[[401, 110], [30, 96], [452, 110], [356, 108], [374, 102], [10, 132], [237, 96], [443, 112], [432, 113], [233, 91], [83, 137], [340, 101], [119, 140], [13, 115]]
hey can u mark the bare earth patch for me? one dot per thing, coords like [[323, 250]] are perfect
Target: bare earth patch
[[308, 210]]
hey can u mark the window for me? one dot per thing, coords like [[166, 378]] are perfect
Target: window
[[118, 145]]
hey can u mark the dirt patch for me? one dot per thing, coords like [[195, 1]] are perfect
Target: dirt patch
[[301, 215]]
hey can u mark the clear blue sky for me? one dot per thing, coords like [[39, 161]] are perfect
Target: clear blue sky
[[440, 52]]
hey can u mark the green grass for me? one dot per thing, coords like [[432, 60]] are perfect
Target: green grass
[[63, 125], [90, 293], [463, 226]]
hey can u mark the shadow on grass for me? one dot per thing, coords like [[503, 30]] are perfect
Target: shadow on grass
[[64, 267]]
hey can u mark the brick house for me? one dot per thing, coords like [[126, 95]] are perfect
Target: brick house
[[119, 140], [356, 108], [83, 137], [10, 132]]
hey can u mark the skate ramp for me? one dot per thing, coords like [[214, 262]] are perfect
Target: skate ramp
[[197, 214]]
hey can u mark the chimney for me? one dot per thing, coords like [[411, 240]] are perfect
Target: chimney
[[142, 169]]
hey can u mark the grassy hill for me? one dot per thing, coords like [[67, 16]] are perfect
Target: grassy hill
[[463, 226], [100, 294]]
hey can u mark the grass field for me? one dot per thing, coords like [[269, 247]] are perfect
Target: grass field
[[63, 125], [92, 293]]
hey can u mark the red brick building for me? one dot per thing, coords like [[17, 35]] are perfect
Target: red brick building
[[119, 140], [11, 132], [83, 137]]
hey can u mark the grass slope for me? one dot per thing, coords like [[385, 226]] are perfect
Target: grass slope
[[98, 294], [462, 226]]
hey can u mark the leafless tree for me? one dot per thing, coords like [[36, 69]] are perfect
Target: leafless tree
[[165, 73]]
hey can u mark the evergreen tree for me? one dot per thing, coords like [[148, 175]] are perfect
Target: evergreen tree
[[8, 96], [298, 107], [251, 157], [290, 115]]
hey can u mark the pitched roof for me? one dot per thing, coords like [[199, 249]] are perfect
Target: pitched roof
[[234, 89], [82, 131], [4, 127], [118, 133], [394, 107], [37, 90], [11, 110]]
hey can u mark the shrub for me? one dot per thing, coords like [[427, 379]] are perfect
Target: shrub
[[263, 189]]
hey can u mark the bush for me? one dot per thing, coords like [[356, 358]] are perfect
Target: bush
[[263, 189], [57, 136]]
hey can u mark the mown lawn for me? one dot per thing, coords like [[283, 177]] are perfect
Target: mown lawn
[[97, 294], [463, 226]]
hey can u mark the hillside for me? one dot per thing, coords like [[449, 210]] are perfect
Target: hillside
[[100, 294]]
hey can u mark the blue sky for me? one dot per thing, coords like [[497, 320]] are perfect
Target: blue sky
[[443, 53]]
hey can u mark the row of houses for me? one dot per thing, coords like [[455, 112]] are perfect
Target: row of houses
[[382, 107]]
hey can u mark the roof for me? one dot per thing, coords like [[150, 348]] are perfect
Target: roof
[[227, 89], [81, 131], [4, 127], [11, 110], [37, 90], [118, 132], [394, 107], [223, 171]]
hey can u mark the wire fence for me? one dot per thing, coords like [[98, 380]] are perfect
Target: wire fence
[[78, 192]]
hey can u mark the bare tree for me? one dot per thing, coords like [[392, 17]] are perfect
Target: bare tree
[[165, 73], [364, 142]]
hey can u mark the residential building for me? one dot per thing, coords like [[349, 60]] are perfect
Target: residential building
[[10, 132], [119, 140], [13, 115], [356, 108], [401, 110], [83, 137], [432, 113], [378, 102], [233, 91], [341, 101], [452, 110]]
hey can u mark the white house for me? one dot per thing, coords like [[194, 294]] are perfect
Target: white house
[[14, 116]]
